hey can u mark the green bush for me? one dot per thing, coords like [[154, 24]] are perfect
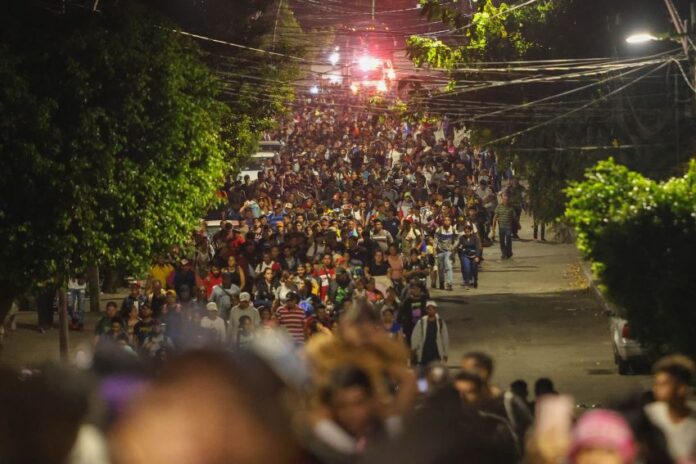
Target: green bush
[[641, 237]]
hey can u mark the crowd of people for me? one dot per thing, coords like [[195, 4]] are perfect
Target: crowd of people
[[306, 329], [356, 207]]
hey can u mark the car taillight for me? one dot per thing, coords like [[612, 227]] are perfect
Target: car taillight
[[626, 332]]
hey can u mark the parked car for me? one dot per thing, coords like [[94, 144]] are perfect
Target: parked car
[[628, 352], [255, 164]]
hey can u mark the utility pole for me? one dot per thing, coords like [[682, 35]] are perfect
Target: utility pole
[[63, 337], [275, 26], [692, 56], [685, 31], [373, 11]]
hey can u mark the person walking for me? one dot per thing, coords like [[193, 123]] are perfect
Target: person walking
[[504, 217], [430, 338], [469, 250], [445, 236]]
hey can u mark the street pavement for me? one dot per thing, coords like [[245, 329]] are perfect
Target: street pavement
[[537, 317], [533, 313], [27, 346]]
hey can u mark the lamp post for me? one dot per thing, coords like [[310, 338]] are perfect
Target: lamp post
[[641, 38], [684, 36]]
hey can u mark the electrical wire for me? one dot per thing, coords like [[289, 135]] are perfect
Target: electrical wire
[[580, 108]]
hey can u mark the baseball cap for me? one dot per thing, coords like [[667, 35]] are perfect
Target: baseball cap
[[244, 296], [212, 306], [431, 303], [602, 428]]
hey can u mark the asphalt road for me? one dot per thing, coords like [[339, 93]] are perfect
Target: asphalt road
[[536, 316], [533, 313]]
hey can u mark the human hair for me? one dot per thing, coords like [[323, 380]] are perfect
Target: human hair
[[463, 376], [481, 359], [543, 386], [345, 377], [244, 319], [111, 304], [677, 366]]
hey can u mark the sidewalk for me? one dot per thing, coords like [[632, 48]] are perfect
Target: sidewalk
[[537, 316], [27, 346]]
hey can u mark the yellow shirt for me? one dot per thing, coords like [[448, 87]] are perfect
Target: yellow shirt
[[160, 273]]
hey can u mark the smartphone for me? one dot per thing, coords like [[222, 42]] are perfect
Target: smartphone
[[422, 385]]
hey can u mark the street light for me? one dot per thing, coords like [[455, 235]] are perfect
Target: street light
[[333, 58], [314, 90], [641, 38]]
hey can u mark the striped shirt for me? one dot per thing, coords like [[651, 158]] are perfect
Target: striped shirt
[[293, 321], [444, 238], [506, 216]]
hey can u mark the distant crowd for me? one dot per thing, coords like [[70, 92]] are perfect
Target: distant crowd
[[307, 329]]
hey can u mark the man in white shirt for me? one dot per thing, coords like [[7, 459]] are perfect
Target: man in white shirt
[[214, 323], [244, 308], [671, 411]]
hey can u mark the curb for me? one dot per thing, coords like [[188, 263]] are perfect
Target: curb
[[609, 308]]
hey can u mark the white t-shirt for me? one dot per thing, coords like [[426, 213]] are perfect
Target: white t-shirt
[[218, 325], [680, 436]]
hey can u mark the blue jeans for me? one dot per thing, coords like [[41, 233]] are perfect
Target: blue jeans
[[469, 268], [505, 241], [444, 267], [76, 308]]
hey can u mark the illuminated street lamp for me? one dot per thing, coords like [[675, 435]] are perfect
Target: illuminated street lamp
[[641, 38], [683, 35], [333, 58], [314, 90]]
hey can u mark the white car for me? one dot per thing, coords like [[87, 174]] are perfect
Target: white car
[[627, 351], [255, 164]]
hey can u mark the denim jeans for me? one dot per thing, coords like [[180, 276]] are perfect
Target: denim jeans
[[444, 267], [469, 268], [76, 308], [505, 241]]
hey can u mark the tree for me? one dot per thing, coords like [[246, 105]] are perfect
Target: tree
[[641, 237], [113, 141], [553, 129], [267, 51]]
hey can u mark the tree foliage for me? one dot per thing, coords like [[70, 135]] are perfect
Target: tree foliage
[[254, 83], [640, 124], [113, 141], [641, 236]]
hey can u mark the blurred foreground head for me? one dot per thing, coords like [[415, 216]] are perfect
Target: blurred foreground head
[[207, 407], [40, 413]]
